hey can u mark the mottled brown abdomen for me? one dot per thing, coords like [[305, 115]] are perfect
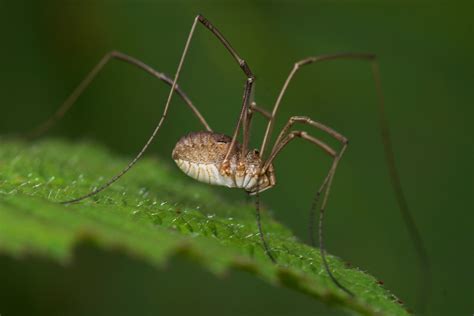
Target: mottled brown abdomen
[[204, 147], [200, 156]]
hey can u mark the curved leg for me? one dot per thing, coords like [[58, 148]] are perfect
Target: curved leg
[[327, 188], [324, 187], [266, 248], [69, 102], [243, 116], [281, 141], [247, 90], [291, 136], [253, 108], [424, 262], [256, 109], [296, 67]]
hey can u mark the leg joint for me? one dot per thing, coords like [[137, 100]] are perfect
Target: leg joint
[[294, 119], [203, 20], [114, 53], [245, 67], [294, 134]]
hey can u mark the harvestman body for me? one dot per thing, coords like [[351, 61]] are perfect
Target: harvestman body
[[200, 156], [221, 160]]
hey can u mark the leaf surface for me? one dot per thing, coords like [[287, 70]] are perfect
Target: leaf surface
[[152, 214]]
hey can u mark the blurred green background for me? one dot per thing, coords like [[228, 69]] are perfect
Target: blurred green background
[[425, 51]]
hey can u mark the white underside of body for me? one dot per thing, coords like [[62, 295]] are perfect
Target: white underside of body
[[209, 173]]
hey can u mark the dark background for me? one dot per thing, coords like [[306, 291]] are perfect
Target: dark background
[[425, 51]]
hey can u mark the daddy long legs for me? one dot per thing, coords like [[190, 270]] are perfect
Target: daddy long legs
[[218, 159]]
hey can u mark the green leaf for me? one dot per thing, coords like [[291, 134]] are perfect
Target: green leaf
[[152, 215]]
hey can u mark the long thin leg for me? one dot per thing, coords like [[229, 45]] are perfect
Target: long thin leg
[[155, 131], [280, 142], [296, 67], [324, 187], [291, 136], [246, 97], [322, 248], [312, 212], [425, 266], [260, 230], [243, 116], [424, 263], [69, 102], [255, 109]]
